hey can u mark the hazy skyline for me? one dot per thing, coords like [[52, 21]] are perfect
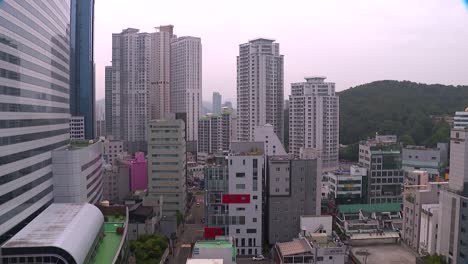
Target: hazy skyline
[[350, 42]]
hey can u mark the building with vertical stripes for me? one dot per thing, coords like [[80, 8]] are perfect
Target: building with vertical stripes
[[34, 105]]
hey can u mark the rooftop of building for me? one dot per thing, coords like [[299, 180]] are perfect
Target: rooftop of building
[[205, 261], [110, 244], [214, 244], [77, 144], [369, 208], [295, 247], [384, 254], [71, 227], [246, 149]]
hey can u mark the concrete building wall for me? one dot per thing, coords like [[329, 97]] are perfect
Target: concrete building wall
[[412, 211], [428, 229], [167, 164], [458, 156], [246, 169], [273, 145], [78, 174], [293, 190]]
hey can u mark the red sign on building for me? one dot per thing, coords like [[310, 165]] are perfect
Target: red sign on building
[[212, 232], [236, 198]]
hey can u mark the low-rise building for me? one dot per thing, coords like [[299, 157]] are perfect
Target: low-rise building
[[381, 156], [70, 233], [312, 247], [221, 248], [432, 160], [370, 223], [143, 220], [414, 198], [112, 149], [428, 229], [78, 172], [116, 185], [348, 186]]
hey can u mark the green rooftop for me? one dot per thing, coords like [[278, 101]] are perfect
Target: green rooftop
[[213, 244], [369, 208], [109, 245]]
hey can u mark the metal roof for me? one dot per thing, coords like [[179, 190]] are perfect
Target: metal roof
[[294, 247], [71, 227]]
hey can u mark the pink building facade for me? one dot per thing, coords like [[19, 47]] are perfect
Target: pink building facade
[[138, 169]]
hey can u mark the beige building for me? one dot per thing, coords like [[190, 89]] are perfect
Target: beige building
[[167, 164]]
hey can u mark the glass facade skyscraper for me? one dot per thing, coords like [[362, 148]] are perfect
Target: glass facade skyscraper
[[34, 105], [82, 91]]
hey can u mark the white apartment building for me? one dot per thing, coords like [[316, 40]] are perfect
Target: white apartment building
[[460, 119], [186, 81], [167, 164], [214, 133], [314, 120], [77, 127], [160, 72], [131, 55], [246, 167], [34, 103], [78, 173], [453, 216], [428, 229], [260, 87]]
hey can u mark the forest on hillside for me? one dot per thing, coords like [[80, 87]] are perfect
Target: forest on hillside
[[398, 107]]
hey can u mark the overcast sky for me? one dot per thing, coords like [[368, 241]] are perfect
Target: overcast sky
[[350, 41]]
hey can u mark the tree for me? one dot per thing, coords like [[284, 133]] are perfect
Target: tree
[[407, 140], [148, 249], [401, 108], [433, 259]]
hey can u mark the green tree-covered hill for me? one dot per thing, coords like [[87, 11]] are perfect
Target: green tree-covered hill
[[399, 107]]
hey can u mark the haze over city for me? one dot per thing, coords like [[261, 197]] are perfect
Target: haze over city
[[351, 42]]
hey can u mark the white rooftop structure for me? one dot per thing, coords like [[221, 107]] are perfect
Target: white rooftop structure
[[70, 227], [204, 261]]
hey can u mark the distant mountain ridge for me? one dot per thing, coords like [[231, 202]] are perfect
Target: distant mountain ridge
[[398, 107]]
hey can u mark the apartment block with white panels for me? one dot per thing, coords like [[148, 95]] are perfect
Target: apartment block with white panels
[[34, 105], [186, 81], [314, 119], [78, 173], [260, 87], [246, 169]]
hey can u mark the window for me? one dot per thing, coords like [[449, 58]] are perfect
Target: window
[[251, 231], [255, 197], [240, 175], [240, 209], [237, 232], [277, 169], [243, 162], [240, 186], [254, 220]]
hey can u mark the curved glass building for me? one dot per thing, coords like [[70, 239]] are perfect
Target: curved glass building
[[34, 105]]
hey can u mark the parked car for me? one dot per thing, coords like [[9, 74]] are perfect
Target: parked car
[[258, 258]]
